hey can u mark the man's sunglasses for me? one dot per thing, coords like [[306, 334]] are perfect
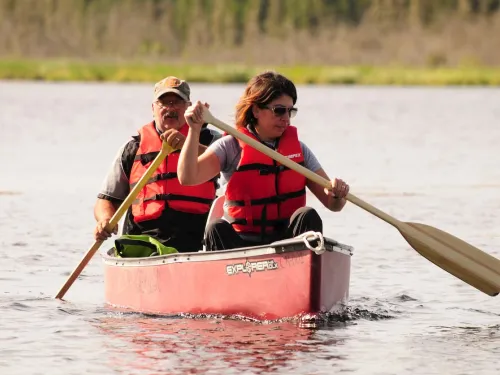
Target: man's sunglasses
[[280, 111]]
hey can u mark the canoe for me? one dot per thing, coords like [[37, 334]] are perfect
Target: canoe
[[303, 275]]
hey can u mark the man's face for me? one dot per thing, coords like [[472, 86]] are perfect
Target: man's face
[[168, 111]]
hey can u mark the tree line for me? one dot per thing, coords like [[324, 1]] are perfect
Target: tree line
[[249, 31]]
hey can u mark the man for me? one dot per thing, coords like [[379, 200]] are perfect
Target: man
[[173, 214]]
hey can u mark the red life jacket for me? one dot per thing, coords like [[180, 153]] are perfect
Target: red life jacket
[[262, 194], [163, 189]]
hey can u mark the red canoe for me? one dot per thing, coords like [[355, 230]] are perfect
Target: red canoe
[[283, 279]]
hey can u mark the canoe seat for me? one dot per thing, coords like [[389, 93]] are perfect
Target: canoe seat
[[216, 212], [217, 209]]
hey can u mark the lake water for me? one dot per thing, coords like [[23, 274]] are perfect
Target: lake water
[[428, 155]]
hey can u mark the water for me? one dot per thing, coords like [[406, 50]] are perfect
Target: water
[[421, 154]]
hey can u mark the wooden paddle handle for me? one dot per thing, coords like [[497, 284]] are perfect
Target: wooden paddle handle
[[165, 150], [208, 117]]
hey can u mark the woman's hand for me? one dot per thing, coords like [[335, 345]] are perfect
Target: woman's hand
[[339, 189], [194, 115]]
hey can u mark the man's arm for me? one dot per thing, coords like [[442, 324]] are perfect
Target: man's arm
[[104, 209], [114, 190], [103, 212]]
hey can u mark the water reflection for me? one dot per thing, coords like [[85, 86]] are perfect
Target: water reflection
[[196, 346]]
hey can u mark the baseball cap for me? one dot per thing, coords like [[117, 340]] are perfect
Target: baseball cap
[[174, 85]]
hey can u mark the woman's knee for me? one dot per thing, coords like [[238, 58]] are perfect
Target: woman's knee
[[305, 219], [220, 235]]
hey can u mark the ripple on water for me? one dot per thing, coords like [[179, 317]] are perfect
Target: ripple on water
[[19, 244], [10, 192], [347, 314]]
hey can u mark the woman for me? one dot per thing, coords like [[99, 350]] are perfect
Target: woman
[[264, 201]]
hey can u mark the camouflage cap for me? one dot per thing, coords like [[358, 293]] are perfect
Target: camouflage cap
[[174, 85]]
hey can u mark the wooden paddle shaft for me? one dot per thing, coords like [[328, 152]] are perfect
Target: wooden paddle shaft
[[165, 150], [208, 117]]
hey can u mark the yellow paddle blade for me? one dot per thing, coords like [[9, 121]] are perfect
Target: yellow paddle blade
[[468, 263]]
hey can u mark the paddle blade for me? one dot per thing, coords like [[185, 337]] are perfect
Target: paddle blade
[[468, 263]]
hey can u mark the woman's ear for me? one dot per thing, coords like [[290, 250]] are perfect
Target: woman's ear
[[255, 111]]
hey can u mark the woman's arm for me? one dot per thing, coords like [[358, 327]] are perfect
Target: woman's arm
[[191, 168], [198, 169], [334, 198]]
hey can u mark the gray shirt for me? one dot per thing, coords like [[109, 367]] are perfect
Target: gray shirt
[[116, 184]]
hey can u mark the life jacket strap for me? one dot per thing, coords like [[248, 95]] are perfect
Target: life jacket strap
[[268, 200], [150, 156], [158, 177], [146, 158], [264, 169], [178, 197]]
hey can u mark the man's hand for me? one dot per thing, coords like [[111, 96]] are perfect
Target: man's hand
[[174, 138], [100, 232]]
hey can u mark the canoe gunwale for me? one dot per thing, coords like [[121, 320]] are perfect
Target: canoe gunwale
[[279, 247]]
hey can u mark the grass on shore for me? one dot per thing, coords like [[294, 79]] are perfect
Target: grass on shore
[[63, 70]]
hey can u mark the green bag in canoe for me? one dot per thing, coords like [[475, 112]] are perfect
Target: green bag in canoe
[[140, 246]]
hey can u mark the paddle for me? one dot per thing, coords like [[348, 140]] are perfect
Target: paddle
[[165, 150], [453, 255]]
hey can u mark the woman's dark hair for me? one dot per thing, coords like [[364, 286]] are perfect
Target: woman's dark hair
[[261, 90]]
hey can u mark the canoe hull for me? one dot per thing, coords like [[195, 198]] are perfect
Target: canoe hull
[[267, 282]]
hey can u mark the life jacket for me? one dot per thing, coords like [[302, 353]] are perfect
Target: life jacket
[[262, 194], [163, 190]]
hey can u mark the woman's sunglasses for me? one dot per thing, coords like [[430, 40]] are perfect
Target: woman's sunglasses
[[280, 111]]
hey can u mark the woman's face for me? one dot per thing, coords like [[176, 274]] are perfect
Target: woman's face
[[274, 118]]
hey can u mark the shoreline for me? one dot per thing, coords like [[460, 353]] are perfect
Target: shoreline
[[59, 70]]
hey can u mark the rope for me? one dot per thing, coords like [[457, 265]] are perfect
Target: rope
[[310, 236]]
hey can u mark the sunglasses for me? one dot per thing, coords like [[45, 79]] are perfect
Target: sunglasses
[[280, 111]]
